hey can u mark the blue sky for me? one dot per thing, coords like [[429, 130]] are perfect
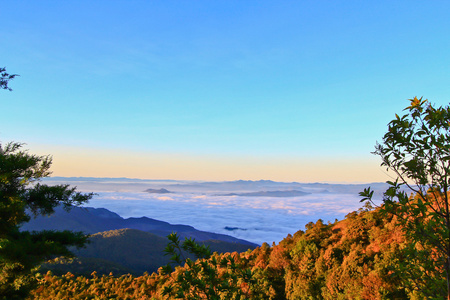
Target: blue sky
[[218, 90]]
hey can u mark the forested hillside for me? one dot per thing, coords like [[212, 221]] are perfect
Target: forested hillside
[[125, 251], [349, 259]]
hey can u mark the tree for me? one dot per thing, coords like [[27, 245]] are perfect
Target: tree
[[5, 78], [211, 276], [22, 196], [417, 149]]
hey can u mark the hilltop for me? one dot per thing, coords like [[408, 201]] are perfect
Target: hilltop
[[124, 251]]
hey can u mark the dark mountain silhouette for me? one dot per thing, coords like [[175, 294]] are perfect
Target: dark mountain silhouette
[[157, 191], [93, 220]]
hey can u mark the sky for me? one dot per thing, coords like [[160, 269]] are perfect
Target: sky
[[218, 90]]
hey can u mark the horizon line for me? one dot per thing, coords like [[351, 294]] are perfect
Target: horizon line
[[205, 181]]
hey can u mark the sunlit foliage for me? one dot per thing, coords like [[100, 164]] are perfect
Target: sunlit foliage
[[417, 149]]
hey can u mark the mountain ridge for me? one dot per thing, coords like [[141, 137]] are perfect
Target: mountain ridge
[[288, 193], [93, 220]]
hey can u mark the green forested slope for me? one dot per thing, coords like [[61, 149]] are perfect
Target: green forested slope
[[125, 251]]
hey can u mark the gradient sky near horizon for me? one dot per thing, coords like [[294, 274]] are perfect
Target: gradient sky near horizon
[[218, 90]]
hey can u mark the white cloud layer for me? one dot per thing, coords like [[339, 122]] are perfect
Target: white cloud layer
[[256, 219]]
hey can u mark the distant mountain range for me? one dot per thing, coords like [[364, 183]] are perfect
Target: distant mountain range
[[291, 193], [186, 186]]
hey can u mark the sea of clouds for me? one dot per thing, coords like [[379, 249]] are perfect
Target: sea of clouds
[[255, 219], [204, 206]]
